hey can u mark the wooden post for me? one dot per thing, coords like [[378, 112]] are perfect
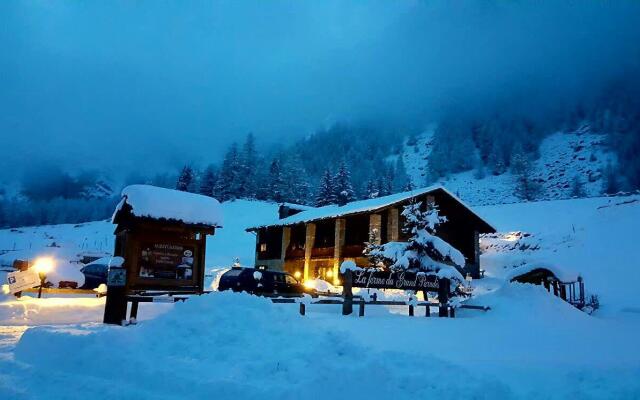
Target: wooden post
[[361, 308], [443, 297], [347, 303], [563, 292], [555, 288], [134, 310], [310, 238], [452, 312], [427, 310], [115, 309], [338, 244], [302, 309], [411, 310]]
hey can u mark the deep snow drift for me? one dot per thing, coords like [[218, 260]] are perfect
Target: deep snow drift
[[529, 345]]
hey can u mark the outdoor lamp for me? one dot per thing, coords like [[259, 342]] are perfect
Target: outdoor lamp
[[43, 265]]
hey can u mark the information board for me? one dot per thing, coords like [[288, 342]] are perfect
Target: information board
[[161, 260]]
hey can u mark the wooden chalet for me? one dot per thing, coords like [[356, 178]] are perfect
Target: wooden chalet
[[312, 242]]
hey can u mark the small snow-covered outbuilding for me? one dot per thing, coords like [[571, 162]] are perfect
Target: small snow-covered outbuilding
[[161, 234], [312, 242]]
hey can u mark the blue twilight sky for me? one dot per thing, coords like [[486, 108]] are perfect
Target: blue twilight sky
[[144, 85]]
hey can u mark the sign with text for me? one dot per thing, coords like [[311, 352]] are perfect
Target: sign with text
[[404, 280], [166, 261], [22, 280]]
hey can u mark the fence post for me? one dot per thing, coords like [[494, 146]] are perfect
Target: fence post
[[134, 310], [452, 312], [302, 309], [361, 309], [427, 311], [411, 310], [347, 303]]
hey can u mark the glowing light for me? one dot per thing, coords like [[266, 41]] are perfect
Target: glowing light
[[43, 265], [336, 282], [309, 285], [297, 274], [329, 273], [5, 289]]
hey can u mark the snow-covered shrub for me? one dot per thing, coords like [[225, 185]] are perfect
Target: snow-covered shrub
[[424, 251]]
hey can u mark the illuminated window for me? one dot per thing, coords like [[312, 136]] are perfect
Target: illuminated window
[[263, 247]]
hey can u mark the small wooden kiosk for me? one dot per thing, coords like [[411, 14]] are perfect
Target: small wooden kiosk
[[161, 237]]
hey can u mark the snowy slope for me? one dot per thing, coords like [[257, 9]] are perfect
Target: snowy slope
[[595, 237], [562, 156]]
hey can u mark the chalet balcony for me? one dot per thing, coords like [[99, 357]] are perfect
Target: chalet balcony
[[294, 254], [352, 251], [322, 252]]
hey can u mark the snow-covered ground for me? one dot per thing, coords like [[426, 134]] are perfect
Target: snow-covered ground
[[223, 345]]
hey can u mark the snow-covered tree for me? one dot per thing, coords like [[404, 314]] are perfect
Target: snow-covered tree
[[610, 183], [295, 176], [277, 185], [424, 251], [208, 181], [227, 185], [247, 169], [371, 190], [526, 187], [577, 187], [186, 179], [326, 192], [343, 190], [402, 181]]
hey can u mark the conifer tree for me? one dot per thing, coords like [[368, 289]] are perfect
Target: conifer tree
[[611, 184], [401, 178], [227, 185], [577, 187], [208, 181], [186, 179], [371, 190], [525, 187], [342, 185], [247, 169], [277, 187], [297, 180], [326, 192]]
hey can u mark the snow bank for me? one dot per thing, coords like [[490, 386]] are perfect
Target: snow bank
[[230, 346], [156, 202]]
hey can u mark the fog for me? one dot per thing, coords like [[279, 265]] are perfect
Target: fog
[[141, 86]]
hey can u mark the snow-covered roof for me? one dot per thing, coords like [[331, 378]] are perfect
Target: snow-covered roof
[[295, 206], [564, 274], [160, 203], [361, 206]]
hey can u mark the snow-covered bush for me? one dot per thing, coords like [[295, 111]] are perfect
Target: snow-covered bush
[[424, 251]]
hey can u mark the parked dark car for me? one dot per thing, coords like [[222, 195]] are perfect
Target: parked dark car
[[262, 281]]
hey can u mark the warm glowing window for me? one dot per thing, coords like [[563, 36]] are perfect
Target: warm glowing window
[[263, 247]]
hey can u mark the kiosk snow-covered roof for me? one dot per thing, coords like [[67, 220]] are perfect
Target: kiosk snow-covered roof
[[145, 201]]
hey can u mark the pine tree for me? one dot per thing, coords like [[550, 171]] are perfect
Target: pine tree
[[277, 187], [247, 185], [525, 187], [208, 182], [342, 185], [186, 179], [611, 183], [401, 178], [577, 187], [326, 192], [424, 251], [371, 190], [297, 181], [227, 186]]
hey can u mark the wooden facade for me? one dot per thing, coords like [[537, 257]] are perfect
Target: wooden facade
[[315, 247]]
